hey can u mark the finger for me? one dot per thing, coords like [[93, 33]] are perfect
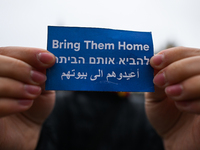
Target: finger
[[42, 107], [189, 106], [38, 58], [14, 89], [10, 106], [185, 91], [168, 56], [19, 70], [178, 71]]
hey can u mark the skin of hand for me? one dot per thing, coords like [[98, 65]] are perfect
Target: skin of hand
[[174, 108], [24, 104]]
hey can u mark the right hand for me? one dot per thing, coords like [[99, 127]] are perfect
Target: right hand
[[24, 104]]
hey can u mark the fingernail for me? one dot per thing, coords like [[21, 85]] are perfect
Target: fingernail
[[174, 90], [158, 59], [37, 77], [46, 58], [32, 89], [25, 102], [159, 79]]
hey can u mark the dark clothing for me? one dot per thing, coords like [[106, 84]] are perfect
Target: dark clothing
[[98, 121]]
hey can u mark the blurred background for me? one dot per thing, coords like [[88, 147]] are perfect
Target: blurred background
[[172, 22]]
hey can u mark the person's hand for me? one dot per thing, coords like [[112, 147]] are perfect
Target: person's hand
[[24, 104], [174, 108]]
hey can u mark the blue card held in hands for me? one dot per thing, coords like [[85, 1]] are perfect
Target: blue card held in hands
[[96, 59]]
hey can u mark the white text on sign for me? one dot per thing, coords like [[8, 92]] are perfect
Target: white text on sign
[[76, 46]]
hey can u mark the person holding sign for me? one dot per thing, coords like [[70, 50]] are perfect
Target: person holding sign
[[173, 109]]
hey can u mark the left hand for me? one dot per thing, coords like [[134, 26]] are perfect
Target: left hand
[[174, 108]]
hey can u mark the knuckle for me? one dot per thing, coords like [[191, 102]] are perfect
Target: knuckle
[[2, 49], [10, 88]]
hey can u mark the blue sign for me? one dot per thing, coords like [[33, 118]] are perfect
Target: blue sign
[[97, 59]]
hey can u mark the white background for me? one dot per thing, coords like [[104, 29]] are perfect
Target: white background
[[24, 23]]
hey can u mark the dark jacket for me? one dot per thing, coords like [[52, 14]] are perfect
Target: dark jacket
[[98, 121]]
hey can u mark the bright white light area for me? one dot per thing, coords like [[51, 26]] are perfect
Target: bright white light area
[[24, 23]]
